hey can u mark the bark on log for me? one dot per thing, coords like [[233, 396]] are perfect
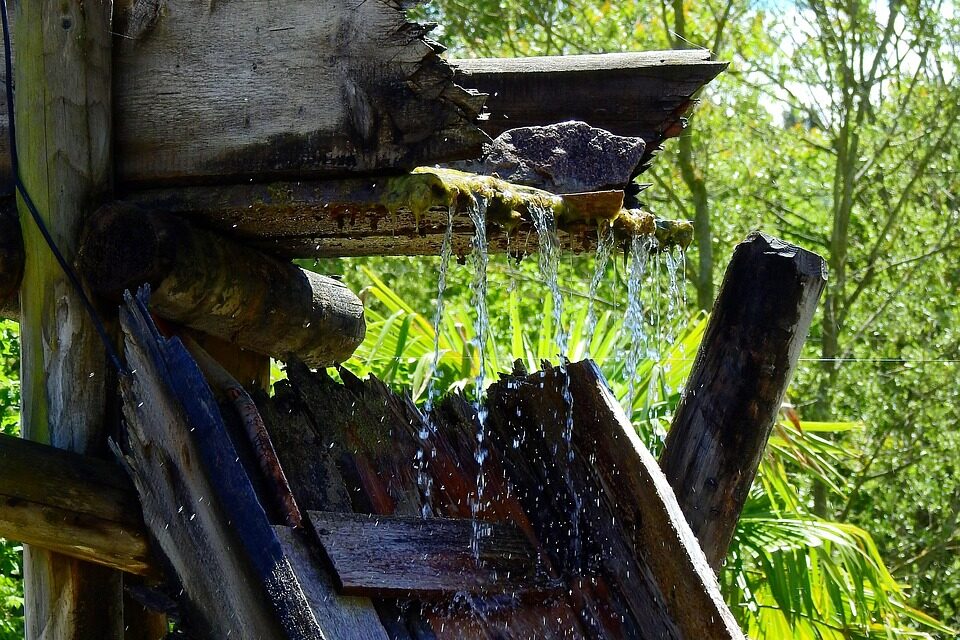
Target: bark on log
[[76, 505], [65, 140], [214, 285], [401, 215], [644, 94], [749, 351]]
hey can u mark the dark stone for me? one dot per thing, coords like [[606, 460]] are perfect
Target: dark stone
[[567, 157]]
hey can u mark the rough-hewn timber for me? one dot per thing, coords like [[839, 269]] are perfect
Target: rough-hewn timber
[[291, 87], [76, 505], [220, 287], [376, 555], [199, 506], [746, 359], [63, 109], [644, 94], [402, 215]]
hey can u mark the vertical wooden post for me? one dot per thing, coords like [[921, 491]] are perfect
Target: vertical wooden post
[[749, 351], [63, 116]]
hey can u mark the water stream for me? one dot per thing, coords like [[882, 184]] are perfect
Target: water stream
[[634, 322], [425, 451], [605, 243], [478, 287]]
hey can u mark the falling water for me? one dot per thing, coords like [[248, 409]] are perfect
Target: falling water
[[605, 241], [480, 260], [545, 225], [633, 321], [424, 451]]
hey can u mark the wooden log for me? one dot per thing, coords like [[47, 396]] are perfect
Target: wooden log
[[198, 503], [11, 259], [76, 505], [375, 555], [644, 94], [220, 287], [622, 518], [746, 359], [402, 215], [290, 88], [65, 140]]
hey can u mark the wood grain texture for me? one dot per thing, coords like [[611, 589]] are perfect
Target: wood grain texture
[[198, 503], [386, 556], [63, 108], [644, 94], [622, 518], [289, 87], [746, 359], [76, 505], [339, 616], [220, 287]]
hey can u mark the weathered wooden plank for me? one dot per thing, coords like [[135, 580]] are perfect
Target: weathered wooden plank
[[339, 616], [64, 139], [402, 215], [198, 503], [76, 505], [746, 359], [618, 504], [292, 87], [220, 287], [378, 555], [644, 94]]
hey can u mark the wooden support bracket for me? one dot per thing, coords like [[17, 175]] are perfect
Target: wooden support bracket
[[731, 400]]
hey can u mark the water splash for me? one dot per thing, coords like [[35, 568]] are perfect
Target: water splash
[[478, 287], [605, 243], [425, 451], [633, 321]]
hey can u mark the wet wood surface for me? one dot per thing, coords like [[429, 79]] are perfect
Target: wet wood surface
[[387, 556], [730, 403]]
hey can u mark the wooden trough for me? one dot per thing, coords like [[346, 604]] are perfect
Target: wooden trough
[[192, 149]]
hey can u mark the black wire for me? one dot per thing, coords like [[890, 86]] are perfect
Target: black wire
[[35, 214]]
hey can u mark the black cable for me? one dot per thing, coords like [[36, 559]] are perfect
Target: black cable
[[35, 214]]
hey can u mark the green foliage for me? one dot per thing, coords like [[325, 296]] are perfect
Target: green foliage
[[11, 585]]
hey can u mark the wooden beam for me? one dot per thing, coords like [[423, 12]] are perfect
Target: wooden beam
[[613, 511], [376, 555], [65, 139], [76, 505], [220, 287], [198, 503], [400, 215], [731, 400], [645, 94]]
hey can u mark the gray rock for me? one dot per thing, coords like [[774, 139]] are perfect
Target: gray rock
[[562, 158]]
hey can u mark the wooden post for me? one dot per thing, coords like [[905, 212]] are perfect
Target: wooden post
[[63, 113], [11, 259], [749, 351]]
